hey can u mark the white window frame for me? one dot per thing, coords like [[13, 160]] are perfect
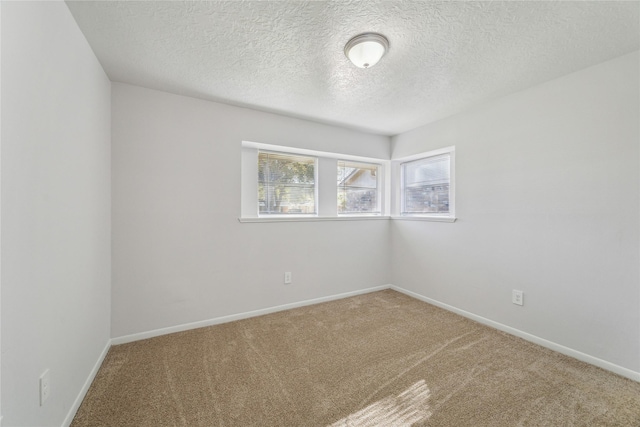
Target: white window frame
[[379, 179], [396, 165], [315, 187], [326, 188]]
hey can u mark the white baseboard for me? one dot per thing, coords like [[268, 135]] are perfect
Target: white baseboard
[[85, 388], [224, 319], [628, 373], [233, 317]]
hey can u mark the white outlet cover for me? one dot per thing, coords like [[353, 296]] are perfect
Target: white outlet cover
[[45, 387], [517, 297]]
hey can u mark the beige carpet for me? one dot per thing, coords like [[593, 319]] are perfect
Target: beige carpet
[[380, 359]]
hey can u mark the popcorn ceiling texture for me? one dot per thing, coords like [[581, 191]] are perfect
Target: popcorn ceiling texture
[[287, 57]]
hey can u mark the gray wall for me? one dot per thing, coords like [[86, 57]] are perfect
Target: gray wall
[[547, 200], [180, 254], [56, 223]]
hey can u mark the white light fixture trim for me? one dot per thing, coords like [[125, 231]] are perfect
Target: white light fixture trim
[[365, 50]]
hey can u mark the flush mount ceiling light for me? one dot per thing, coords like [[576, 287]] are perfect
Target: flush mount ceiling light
[[365, 50]]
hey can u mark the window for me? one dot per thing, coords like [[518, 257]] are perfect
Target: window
[[358, 188], [426, 186], [281, 183], [286, 184]]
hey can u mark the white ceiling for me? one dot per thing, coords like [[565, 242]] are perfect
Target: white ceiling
[[287, 56]]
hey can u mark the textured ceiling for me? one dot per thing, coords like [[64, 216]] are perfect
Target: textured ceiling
[[287, 56]]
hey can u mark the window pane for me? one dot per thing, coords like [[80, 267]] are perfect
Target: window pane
[[426, 185], [353, 200], [286, 184], [357, 188]]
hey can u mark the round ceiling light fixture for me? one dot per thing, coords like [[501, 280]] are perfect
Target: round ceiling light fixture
[[365, 50]]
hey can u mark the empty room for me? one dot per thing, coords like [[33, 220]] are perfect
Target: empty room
[[319, 213]]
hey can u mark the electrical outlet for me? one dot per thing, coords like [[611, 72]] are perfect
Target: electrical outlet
[[287, 277], [517, 297], [45, 387]]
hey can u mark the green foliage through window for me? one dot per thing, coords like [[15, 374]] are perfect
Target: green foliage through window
[[286, 184]]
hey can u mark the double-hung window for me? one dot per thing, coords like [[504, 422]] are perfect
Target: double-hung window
[[358, 185], [286, 184]]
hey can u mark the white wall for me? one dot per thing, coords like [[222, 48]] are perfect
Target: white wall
[[547, 200], [179, 253], [55, 211], [0, 217]]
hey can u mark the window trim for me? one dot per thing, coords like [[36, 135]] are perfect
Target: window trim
[[399, 187], [326, 188], [315, 188], [295, 218], [378, 188]]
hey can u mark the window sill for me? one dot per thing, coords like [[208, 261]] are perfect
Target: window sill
[[426, 218], [314, 218]]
